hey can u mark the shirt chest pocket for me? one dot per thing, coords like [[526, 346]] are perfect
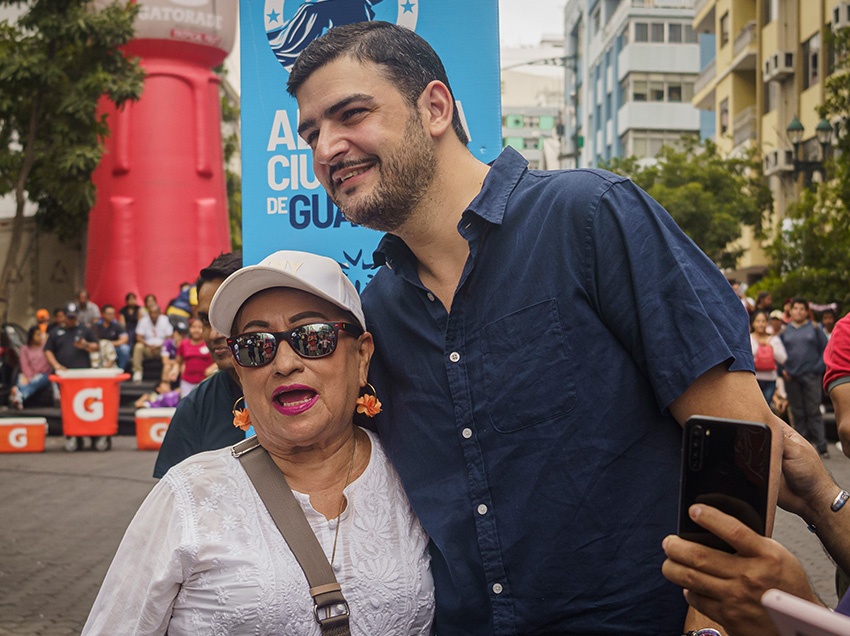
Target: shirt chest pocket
[[529, 376]]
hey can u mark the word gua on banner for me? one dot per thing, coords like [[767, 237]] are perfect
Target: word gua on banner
[[283, 204]]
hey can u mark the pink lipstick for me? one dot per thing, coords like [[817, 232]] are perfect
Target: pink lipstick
[[294, 399]]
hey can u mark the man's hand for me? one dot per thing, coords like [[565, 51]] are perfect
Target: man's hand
[[806, 489], [728, 587]]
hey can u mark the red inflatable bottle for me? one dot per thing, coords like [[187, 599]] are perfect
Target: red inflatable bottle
[[161, 209]]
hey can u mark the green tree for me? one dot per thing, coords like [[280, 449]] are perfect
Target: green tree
[[709, 197], [233, 180], [810, 254], [56, 61]]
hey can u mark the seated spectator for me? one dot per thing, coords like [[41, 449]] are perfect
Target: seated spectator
[[88, 313], [69, 347], [150, 301], [129, 316], [180, 305], [35, 369], [58, 320], [109, 330], [727, 588], [170, 368], [155, 399], [151, 333], [194, 359], [42, 320]]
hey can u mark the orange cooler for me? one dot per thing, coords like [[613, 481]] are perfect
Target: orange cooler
[[90, 400], [22, 434], [151, 425]]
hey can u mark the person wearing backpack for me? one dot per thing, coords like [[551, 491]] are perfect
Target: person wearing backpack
[[768, 354]]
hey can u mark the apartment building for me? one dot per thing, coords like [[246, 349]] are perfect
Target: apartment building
[[768, 68], [632, 66]]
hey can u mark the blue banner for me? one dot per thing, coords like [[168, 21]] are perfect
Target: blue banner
[[283, 204]]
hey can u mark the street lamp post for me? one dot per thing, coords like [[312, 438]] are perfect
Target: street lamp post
[[823, 133]]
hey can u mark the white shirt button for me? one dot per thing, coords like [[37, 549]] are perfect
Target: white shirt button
[[454, 356], [482, 509], [497, 588], [431, 297], [467, 433]]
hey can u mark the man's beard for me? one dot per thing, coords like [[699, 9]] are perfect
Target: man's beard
[[404, 179]]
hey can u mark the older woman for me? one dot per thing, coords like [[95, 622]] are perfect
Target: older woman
[[203, 554]]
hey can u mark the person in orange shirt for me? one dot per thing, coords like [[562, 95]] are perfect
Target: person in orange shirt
[[42, 319]]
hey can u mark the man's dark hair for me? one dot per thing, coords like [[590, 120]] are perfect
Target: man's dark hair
[[831, 312], [799, 300], [105, 307], [762, 295], [408, 61], [221, 267]]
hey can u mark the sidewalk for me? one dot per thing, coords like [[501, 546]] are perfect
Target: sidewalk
[[63, 515]]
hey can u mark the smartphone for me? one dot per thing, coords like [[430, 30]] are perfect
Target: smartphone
[[725, 464]]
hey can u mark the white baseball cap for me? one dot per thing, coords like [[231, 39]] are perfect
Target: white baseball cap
[[314, 274]]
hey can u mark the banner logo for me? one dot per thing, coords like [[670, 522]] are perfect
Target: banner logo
[[291, 26], [88, 404]]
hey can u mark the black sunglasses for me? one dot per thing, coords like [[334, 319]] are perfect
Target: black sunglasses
[[316, 340]]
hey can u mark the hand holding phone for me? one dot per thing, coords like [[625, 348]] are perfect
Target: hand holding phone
[[725, 464]]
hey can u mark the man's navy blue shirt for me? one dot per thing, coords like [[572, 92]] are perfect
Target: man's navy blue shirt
[[529, 425]]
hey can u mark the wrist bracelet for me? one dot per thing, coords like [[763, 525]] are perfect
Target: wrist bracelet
[[706, 631], [836, 505]]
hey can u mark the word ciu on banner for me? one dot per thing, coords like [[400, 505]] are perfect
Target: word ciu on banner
[[283, 203]]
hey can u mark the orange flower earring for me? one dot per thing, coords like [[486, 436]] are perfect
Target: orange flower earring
[[241, 419], [369, 405]]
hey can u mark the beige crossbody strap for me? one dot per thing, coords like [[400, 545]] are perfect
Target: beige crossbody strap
[[287, 514]]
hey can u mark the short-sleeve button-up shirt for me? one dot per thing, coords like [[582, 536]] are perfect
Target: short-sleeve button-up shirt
[[529, 425]]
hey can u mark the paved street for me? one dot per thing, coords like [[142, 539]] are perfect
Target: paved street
[[63, 515]]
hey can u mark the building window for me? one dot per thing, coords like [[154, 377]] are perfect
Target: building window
[[674, 92], [674, 33], [688, 91], [641, 32], [724, 30], [624, 90], [690, 35], [657, 32], [771, 96], [656, 91], [608, 105], [811, 54], [639, 90], [724, 116], [771, 10]]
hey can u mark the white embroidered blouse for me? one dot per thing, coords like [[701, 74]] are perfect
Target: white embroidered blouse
[[203, 556]]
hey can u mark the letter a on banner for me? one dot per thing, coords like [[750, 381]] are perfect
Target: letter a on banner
[[283, 204]]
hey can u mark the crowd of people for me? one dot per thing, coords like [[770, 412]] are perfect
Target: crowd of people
[[788, 348], [82, 335]]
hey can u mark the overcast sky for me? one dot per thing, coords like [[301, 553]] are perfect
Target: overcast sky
[[524, 21]]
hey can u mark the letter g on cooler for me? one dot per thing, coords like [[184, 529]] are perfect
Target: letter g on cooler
[[88, 404], [18, 437]]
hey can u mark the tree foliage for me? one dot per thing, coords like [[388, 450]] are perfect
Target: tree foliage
[[56, 61], [810, 255], [233, 180], [709, 197]]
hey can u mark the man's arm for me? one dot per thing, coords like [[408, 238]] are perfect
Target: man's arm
[[52, 361], [733, 395]]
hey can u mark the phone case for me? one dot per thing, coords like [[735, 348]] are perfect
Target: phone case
[[725, 464]]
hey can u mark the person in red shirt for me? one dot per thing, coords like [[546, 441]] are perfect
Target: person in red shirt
[[194, 359]]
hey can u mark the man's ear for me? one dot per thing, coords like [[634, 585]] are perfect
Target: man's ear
[[437, 108]]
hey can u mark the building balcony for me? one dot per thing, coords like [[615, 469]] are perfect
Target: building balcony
[[744, 126], [657, 58], [704, 87], [745, 49], [704, 16], [657, 116]]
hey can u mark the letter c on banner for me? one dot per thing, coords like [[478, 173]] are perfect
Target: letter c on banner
[[157, 431], [88, 404], [18, 437]]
